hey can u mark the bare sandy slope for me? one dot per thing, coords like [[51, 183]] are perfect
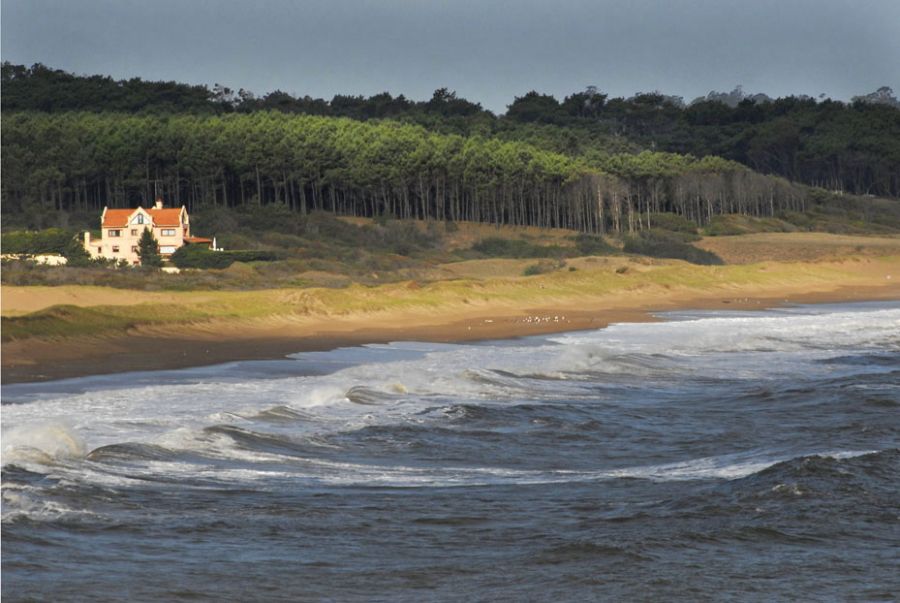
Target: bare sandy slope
[[797, 246]]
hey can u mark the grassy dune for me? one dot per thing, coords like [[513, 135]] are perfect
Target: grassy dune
[[798, 246], [479, 285]]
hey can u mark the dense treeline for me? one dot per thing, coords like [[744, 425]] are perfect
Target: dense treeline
[[40, 88], [851, 147], [84, 161]]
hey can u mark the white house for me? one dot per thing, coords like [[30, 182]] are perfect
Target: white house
[[122, 228]]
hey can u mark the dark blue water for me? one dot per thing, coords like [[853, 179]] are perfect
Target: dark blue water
[[717, 456]]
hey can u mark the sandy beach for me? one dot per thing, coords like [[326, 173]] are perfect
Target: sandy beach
[[465, 310]]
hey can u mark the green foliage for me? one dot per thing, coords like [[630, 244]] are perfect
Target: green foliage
[[274, 217], [593, 245], [731, 224], [543, 267], [45, 89], [721, 226], [252, 256], [286, 172], [148, 250], [69, 321], [661, 244], [285, 162], [56, 321], [520, 248], [279, 167], [404, 238], [534, 107], [673, 223], [321, 240], [76, 254], [516, 248], [849, 214], [853, 147], [198, 256], [51, 240]]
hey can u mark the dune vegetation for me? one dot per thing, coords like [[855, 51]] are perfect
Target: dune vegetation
[[472, 286]]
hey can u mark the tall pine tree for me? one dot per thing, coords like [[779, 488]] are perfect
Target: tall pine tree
[[148, 250]]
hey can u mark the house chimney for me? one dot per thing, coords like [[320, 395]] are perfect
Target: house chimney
[[159, 203]]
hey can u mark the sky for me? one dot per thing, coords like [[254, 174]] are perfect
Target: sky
[[488, 51]]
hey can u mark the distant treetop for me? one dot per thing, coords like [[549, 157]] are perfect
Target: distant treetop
[[882, 96]]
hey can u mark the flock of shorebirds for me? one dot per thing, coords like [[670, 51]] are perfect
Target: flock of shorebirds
[[532, 320], [542, 319]]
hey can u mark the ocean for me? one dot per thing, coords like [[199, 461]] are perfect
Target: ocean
[[729, 456]]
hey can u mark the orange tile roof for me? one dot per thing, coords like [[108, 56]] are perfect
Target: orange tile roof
[[116, 218], [170, 216]]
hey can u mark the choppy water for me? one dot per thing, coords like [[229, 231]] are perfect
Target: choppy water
[[726, 456]]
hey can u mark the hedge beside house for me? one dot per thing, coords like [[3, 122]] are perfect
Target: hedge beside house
[[198, 256]]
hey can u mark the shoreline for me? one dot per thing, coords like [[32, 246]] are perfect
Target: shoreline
[[163, 348]]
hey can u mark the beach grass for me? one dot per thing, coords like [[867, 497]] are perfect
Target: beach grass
[[626, 280]]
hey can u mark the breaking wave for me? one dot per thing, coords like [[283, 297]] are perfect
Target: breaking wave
[[710, 437]]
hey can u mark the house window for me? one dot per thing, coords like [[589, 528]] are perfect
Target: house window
[[134, 232], [115, 249], [134, 249], [168, 232], [138, 219], [115, 233], [166, 249]]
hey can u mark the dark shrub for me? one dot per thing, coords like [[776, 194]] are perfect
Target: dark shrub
[[252, 255], [661, 244], [76, 255], [51, 240], [721, 226], [323, 225], [593, 245], [404, 238], [197, 256], [673, 222], [66, 243], [517, 248], [216, 221], [273, 217], [543, 267]]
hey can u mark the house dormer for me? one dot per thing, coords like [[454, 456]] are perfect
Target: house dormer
[[140, 218]]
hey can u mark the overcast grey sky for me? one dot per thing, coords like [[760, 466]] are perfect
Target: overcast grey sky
[[487, 50]]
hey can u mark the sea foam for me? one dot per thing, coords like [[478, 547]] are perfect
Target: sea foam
[[42, 443]]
